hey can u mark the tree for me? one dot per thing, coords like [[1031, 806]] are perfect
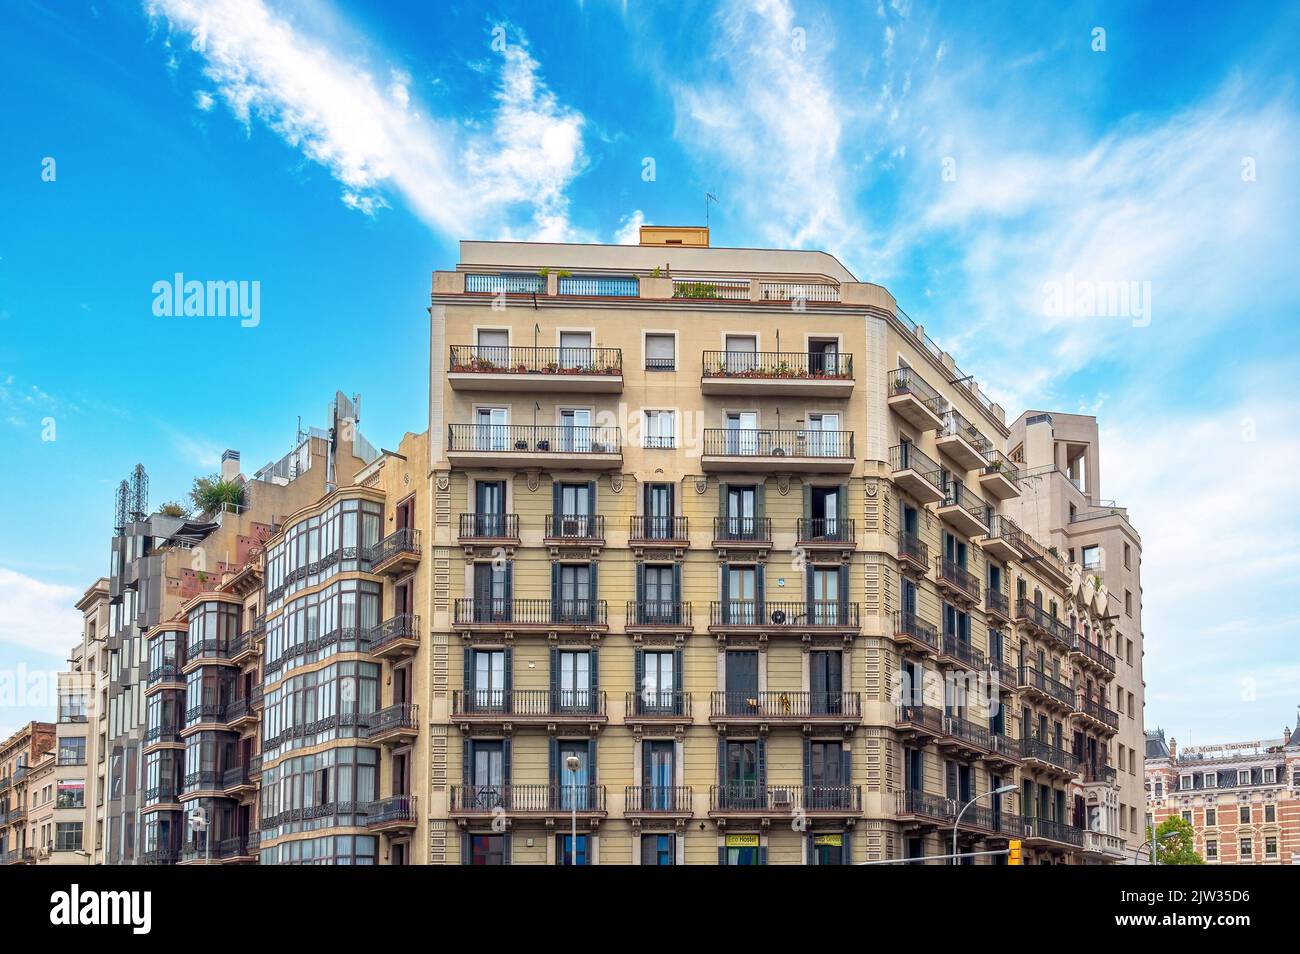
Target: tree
[[173, 508], [1176, 842], [211, 494]]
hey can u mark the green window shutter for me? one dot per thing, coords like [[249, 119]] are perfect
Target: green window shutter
[[467, 682], [466, 754], [593, 494], [807, 768], [760, 502], [509, 673], [592, 608], [722, 503], [807, 500], [507, 844], [505, 761], [555, 677], [638, 676], [595, 680], [557, 500]]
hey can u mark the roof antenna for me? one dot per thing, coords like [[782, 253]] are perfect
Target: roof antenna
[[708, 197]]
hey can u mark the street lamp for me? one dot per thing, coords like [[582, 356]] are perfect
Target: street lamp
[[997, 791], [198, 820], [1155, 858], [572, 763]]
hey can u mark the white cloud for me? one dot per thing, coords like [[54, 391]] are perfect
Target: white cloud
[[38, 615], [361, 123], [629, 228]]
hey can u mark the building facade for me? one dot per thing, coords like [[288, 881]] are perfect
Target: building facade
[[1242, 799], [20, 754]]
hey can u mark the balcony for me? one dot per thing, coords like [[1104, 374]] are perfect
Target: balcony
[[962, 441], [742, 532], [1039, 621], [834, 533], [752, 800], [799, 292], [913, 554], [657, 801], [912, 399], [1006, 672], [547, 707], [516, 284], [960, 654], [797, 708], [758, 616], [658, 616], [920, 723], [203, 784], [237, 780], [1100, 844], [996, 605], [1091, 655], [964, 511], [167, 735], [583, 529], [1097, 772], [1053, 692], [240, 713], [398, 813], [712, 289], [914, 634], [1048, 757], [209, 716], [206, 652], [244, 649], [957, 580], [777, 451], [165, 676], [1004, 749], [534, 445], [1037, 831], [1000, 478], [1003, 540], [535, 370], [658, 706], [925, 808], [397, 554], [1093, 712], [647, 531], [395, 638], [541, 801], [593, 287], [539, 615], [395, 724], [162, 797], [915, 474], [777, 373], [963, 739], [488, 528]]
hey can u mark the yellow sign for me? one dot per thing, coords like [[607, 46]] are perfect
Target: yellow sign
[[1013, 854], [833, 841], [742, 841]]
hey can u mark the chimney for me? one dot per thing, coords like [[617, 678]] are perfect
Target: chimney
[[1173, 749], [229, 464]]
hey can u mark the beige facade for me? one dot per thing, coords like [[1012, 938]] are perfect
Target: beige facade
[[20, 755], [88, 681]]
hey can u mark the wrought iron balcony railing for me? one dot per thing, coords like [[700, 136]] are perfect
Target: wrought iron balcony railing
[[401, 626], [995, 601], [956, 425], [540, 612], [532, 798], [826, 530], [489, 525], [1033, 679], [502, 359], [743, 529], [658, 613], [778, 704], [658, 528], [580, 526], [1094, 652], [913, 548], [907, 381], [397, 808], [405, 540], [534, 438], [1049, 752], [1096, 710], [402, 715], [962, 651], [956, 495], [656, 799], [741, 442], [529, 702], [952, 572], [810, 614], [662, 703], [777, 364], [909, 624]]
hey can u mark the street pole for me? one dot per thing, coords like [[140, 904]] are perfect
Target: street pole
[[997, 791], [572, 764]]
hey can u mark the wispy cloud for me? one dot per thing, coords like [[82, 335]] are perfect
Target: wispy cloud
[[360, 121], [37, 615]]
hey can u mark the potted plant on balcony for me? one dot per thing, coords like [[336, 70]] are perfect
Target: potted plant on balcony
[[521, 444], [543, 445]]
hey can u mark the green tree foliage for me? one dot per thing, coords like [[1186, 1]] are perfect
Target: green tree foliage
[[211, 494], [1176, 842]]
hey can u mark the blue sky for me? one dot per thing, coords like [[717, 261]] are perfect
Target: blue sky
[[962, 156]]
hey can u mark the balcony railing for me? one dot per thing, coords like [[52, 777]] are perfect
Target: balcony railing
[[995, 601], [1051, 830], [505, 284], [657, 799], [402, 626], [956, 495], [583, 526], [529, 702], [1096, 710], [907, 381], [1033, 679], [658, 613], [235, 776], [777, 704], [1094, 652], [403, 541], [751, 797], [658, 528], [963, 730], [1045, 751], [913, 548], [777, 364], [1005, 745], [952, 572], [956, 425], [925, 805], [786, 615], [386, 811], [205, 712], [402, 715], [1097, 771], [528, 799], [909, 624], [539, 612], [168, 732], [826, 530], [962, 651], [726, 290], [501, 359], [534, 438], [662, 703], [489, 526], [799, 291], [915, 473], [751, 442], [599, 287], [743, 529], [921, 716], [999, 463]]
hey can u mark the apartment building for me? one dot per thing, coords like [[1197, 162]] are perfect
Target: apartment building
[[157, 703], [19, 755], [1061, 504], [724, 568], [89, 659], [1242, 799]]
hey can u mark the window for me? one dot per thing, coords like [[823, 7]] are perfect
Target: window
[[573, 681], [487, 849], [564, 853], [660, 353], [1243, 777], [491, 428], [71, 795], [742, 850], [72, 751], [741, 353], [1270, 813], [1211, 817], [1270, 847], [1092, 557], [659, 430], [1211, 850], [575, 349], [67, 836], [1270, 776], [1243, 814], [1128, 556], [1185, 782], [658, 849], [1247, 850], [1187, 817], [829, 849], [1128, 602]]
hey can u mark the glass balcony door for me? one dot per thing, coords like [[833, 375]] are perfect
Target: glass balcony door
[[491, 426]]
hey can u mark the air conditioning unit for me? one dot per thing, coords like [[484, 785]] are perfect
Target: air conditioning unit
[[44, 852], [781, 798]]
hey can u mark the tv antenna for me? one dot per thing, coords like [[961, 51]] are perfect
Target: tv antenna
[[708, 197]]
